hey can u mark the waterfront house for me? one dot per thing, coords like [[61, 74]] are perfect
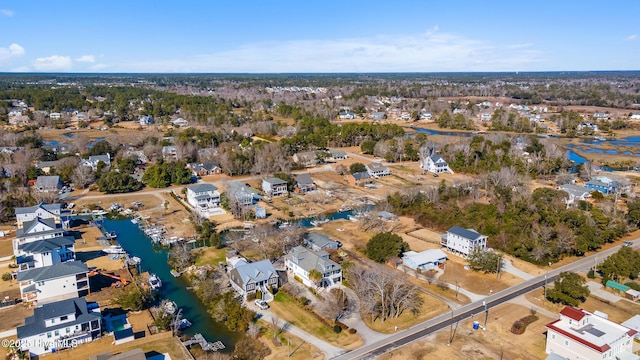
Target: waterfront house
[[463, 241], [377, 170], [426, 115], [251, 277], [306, 158], [318, 242], [55, 282], [274, 187], [359, 179], [579, 334], [42, 211], [46, 252], [48, 183], [93, 161], [204, 168], [59, 325], [424, 260], [36, 229], [304, 184], [575, 192], [245, 195], [301, 261], [203, 196], [435, 164], [337, 154]]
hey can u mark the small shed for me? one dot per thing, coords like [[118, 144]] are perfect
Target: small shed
[[616, 286], [632, 294]]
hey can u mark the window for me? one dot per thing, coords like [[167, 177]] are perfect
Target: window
[[68, 330], [553, 336], [566, 343], [53, 321], [63, 318], [49, 334], [56, 333]]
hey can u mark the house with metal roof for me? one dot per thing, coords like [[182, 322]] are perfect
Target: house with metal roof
[[42, 210], [435, 164], [37, 229], [301, 261], [600, 186], [249, 278], [575, 192], [304, 184], [318, 242], [424, 260], [56, 282], [245, 195], [48, 183], [463, 241], [337, 154], [59, 325], [274, 187], [579, 334], [377, 170], [203, 196]]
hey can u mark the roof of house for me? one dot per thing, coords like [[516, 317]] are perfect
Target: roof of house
[[48, 181], [320, 240], [435, 158], [309, 260], [337, 153], [208, 166], [597, 333], [425, 257], [106, 158], [304, 179], [574, 190], [257, 271], [633, 322], [197, 188], [376, 166], [46, 164], [361, 175], [46, 245], [465, 233], [53, 271], [275, 181], [27, 226], [35, 324], [615, 285], [596, 183], [30, 209]]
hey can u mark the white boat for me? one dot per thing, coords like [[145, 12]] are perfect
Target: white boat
[[170, 307], [134, 221], [345, 208], [114, 249], [154, 282], [183, 324], [319, 222], [111, 235], [134, 260]]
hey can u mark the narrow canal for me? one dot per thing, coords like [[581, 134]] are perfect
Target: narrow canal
[[136, 243]]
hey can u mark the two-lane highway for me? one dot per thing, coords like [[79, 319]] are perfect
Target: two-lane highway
[[438, 323]]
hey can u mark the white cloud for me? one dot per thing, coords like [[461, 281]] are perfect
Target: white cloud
[[98, 67], [6, 12], [14, 50], [52, 63], [631, 37], [86, 58], [425, 52]]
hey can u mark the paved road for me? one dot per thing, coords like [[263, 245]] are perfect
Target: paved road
[[438, 323]]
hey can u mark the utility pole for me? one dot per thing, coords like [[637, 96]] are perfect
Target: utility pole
[[289, 344], [486, 315]]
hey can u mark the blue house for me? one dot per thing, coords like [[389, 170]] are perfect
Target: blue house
[[600, 186]]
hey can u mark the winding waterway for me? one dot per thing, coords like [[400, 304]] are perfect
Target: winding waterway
[[136, 243]]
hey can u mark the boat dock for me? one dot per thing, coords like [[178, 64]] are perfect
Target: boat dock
[[207, 346]]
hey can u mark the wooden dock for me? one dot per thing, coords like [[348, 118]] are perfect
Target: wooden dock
[[204, 344]]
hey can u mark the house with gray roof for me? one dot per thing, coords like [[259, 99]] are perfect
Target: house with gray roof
[[46, 166], [377, 170], [301, 261], [274, 187], [245, 195], [435, 164], [93, 161], [45, 252], [306, 158], [42, 211], [337, 154], [424, 260], [463, 241], [55, 282], [203, 196], [575, 192], [359, 179], [304, 184], [249, 278], [59, 325], [36, 229], [48, 183], [319, 242]]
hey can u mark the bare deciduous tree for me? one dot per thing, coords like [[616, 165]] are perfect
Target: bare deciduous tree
[[82, 176]]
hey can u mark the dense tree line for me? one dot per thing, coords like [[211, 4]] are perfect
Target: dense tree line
[[165, 174]]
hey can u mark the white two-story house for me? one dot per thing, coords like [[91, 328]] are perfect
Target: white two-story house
[[55, 282], [274, 187], [435, 164], [42, 211], [463, 241], [93, 161], [59, 325], [377, 170], [579, 334], [301, 261], [36, 229], [248, 278], [203, 196], [46, 252]]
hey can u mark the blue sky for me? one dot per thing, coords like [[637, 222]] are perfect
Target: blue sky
[[318, 36]]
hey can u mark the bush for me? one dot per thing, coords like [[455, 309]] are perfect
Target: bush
[[518, 327], [6, 276], [591, 274], [251, 296], [337, 329], [342, 325]]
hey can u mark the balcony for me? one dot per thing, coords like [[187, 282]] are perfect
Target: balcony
[[443, 239]]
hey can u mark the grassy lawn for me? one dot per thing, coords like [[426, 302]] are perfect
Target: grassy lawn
[[290, 311], [210, 255], [430, 308], [300, 349]]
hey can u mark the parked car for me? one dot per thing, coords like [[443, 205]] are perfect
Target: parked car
[[262, 304], [627, 243]]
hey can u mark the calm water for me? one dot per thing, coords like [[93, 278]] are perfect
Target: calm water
[[136, 243]]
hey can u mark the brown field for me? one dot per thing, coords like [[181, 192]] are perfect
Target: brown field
[[478, 283], [497, 342], [302, 350], [431, 307]]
